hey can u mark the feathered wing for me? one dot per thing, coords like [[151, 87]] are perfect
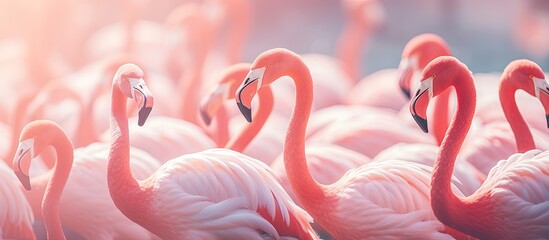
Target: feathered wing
[[468, 177], [488, 145], [87, 206], [370, 135], [219, 192], [16, 217], [394, 200], [165, 138], [519, 187]]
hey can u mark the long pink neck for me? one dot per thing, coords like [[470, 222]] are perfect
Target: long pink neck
[[18, 123], [47, 188], [523, 135], [54, 189], [128, 195], [351, 42], [309, 192], [468, 214], [219, 131], [190, 84], [440, 115], [240, 16], [248, 133]]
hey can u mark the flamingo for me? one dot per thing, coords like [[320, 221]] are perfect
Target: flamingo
[[511, 203], [495, 140], [266, 146], [34, 138], [417, 53], [16, 217], [319, 155], [243, 200], [101, 219], [380, 199]]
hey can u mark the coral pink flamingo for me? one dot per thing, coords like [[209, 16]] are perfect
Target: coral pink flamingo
[[528, 76], [417, 53], [494, 141], [268, 145], [34, 138], [90, 213], [367, 201], [16, 217], [510, 203], [243, 199]]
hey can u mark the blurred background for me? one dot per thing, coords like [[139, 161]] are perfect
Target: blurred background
[[486, 35]]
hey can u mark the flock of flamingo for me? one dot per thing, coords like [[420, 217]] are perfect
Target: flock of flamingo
[[326, 154]]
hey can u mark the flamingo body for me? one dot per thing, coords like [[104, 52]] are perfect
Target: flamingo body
[[214, 194]]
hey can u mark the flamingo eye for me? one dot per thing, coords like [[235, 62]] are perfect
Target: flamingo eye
[[531, 76], [434, 76]]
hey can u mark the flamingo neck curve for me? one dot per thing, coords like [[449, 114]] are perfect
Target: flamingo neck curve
[[523, 135], [351, 42], [470, 215], [133, 199], [53, 190], [250, 131], [309, 192]]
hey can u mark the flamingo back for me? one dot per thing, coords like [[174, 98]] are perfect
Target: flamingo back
[[518, 189], [220, 193], [394, 200]]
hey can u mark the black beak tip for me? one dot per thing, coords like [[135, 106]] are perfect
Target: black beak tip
[[205, 118], [247, 112], [547, 118], [143, 115], [422, 122], [24, 179]]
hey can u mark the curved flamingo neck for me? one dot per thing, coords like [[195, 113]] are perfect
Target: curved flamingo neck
[[440, 115], [240, 16], [219, 132], [189, 86], [47, 188], [523, 135], [50, 204], [351, 42], [309, 192], [128, 195], [464, 214], [250, 131], [18, 123]]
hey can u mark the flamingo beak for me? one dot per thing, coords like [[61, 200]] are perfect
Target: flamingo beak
[[418, 105], [542, 93], [405, 73], [247, 90], [210, 105], [144, 99], [21, 162]]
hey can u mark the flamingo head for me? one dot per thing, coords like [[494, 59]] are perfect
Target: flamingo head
[[34, 138], [223, 90], [417, 53], [528, 76], [247, 90], [214, 100], [267, 67], [442, 71], [129, 79]]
